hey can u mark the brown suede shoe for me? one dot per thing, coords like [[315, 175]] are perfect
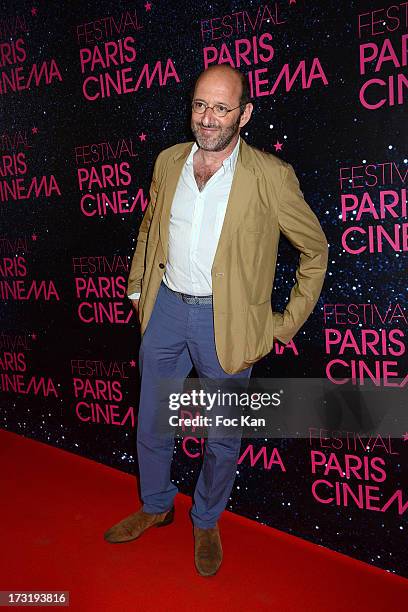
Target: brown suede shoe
[[135, 524], [207, 550]]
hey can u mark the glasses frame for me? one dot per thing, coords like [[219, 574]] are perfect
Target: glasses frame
[[212, 108]]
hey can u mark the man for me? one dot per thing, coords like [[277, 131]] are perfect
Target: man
[[201, 282]]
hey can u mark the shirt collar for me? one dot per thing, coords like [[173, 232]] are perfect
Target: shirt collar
[[228, 163]]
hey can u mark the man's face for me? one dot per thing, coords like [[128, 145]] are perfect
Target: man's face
[[214, 133]]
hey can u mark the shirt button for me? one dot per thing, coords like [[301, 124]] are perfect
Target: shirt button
[[161, 265]]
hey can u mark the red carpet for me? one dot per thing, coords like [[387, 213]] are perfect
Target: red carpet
[[56, 506]]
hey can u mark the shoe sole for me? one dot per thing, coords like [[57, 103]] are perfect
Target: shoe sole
[[206, 575]]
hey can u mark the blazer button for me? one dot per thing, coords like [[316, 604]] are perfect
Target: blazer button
[[161, 265]]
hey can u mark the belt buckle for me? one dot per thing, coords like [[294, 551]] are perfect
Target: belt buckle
[[190, 299]]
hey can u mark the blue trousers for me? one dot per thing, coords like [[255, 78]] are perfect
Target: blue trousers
[[178, 336]]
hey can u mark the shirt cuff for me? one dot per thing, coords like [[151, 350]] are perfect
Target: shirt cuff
[[134, 296]]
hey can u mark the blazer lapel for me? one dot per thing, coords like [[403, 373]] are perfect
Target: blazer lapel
[[243, 187], [173, 174]]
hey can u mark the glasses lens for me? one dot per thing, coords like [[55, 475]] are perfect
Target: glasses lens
[[220, 111], [199, 107]]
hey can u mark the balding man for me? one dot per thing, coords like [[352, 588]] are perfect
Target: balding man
[[201, 282]]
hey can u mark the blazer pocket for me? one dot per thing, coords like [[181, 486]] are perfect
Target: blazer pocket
[[253, 236], [254, 230], [259, 331]]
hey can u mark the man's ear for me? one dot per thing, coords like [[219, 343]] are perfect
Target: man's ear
[[246, 115]]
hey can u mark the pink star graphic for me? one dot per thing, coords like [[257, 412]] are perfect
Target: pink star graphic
[[405, 437], [34, 336], [34, 11], [132, 363], [148, 6], [34, 237], [278, 146], [142, 137], [34, 130]]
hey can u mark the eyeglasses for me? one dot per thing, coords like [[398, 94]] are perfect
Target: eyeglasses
[[219, 110]]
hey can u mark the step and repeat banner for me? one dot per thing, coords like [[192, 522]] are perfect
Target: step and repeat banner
[[90, 93]]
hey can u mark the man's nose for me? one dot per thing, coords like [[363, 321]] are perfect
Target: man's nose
[[208, 116]]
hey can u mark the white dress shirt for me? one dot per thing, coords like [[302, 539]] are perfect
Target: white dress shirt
[[196, 220]]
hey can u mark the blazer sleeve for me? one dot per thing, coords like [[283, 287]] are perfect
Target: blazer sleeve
[[301, 227], [138, 262]]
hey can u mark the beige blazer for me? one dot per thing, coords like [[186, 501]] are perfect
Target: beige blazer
[[265, 199]]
